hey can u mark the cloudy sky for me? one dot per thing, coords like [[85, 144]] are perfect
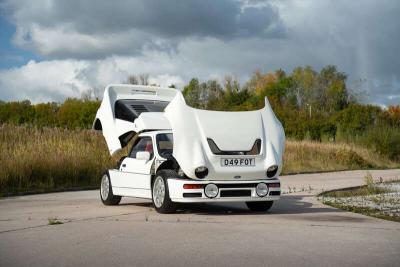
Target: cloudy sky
[[53, 49]]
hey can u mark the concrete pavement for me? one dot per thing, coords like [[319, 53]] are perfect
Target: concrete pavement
[[298, 230]]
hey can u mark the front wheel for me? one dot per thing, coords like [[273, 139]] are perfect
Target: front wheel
[[106, 193], [259, 205], [160, 193]]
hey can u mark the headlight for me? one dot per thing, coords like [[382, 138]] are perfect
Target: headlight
[[262, 190], [271, 171], [201, 172], [211, 190]]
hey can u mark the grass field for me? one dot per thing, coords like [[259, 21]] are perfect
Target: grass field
[[48, 159]]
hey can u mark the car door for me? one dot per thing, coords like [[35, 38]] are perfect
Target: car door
[[133, 178]]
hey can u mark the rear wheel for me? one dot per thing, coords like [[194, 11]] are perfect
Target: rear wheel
[[160, 193], [106, 193], [259, 205]]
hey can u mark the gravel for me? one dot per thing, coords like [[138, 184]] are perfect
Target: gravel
[[385, 203]]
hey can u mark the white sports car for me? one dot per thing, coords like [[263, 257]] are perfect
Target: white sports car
[[181, 154]]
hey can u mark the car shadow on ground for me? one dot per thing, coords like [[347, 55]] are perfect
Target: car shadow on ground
[[138, 204], [298, 204], [288, 204]]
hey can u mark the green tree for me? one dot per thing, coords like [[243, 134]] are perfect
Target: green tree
[[75, 113], [334, 95], [191, 92], [356, 118], [305, 82], [17, 112], [45, 114]]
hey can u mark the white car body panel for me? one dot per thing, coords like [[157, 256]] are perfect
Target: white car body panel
[[231, 131], [130, 184], [151, 121], [112, 127], [177, 192]]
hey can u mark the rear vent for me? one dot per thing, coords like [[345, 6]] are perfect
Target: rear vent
[[255, 150], [139, 109]]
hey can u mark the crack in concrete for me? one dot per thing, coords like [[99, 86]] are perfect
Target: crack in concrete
[[66, 221]]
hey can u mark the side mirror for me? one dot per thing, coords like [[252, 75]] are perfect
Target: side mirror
[[143, 155]]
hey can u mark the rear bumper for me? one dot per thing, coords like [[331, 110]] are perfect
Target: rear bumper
[[229, 191]]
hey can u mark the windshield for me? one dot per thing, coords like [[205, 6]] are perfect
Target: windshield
[[164, 144]]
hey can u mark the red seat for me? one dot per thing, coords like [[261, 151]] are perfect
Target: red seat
[[149, 147]]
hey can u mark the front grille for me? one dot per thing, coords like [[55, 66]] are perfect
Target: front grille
[[235, 193], [274, 193]]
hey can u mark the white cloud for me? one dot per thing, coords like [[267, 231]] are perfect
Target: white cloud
[[166, 80], [51, 80], [59, 79]]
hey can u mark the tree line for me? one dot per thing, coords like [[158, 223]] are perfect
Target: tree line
[[310, 104], [72, 113]]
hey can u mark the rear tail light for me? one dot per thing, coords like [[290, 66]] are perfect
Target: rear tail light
[[192, 186]]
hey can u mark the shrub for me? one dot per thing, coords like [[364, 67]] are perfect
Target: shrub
[[384, 140]]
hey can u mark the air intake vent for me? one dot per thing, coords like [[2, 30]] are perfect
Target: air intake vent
[[139, 109]]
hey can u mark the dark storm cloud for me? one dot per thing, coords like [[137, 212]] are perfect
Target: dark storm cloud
[[134, 25], [174, 18]]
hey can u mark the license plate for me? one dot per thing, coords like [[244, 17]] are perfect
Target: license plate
[[225, 162]]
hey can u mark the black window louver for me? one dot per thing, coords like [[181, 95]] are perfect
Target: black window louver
[[130, 109], [139, 109]]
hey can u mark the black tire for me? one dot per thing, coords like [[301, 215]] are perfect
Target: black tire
[[165, 205], [109, 199], [259, 205]]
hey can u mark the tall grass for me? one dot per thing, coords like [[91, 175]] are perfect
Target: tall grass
[[47, 159], [309, 156]]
